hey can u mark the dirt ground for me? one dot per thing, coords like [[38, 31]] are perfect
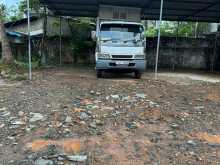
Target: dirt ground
[[68, 116]]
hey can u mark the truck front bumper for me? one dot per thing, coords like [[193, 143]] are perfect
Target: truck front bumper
[[130, 65]]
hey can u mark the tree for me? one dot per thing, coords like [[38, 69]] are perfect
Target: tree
[[184, 29], [7, 57], [34, 6]]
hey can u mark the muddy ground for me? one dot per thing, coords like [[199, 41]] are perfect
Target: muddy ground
[[67, 116]]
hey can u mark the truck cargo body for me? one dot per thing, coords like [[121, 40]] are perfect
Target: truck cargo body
[[120, 44]]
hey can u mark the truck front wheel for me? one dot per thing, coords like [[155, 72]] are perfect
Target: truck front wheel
[[137, 74], [99, 73]]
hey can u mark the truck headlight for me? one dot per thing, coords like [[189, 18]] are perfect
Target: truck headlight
[[103, 56], [139, 56]]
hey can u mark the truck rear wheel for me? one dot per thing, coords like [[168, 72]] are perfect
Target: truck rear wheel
[[137, 74], [99, 73]]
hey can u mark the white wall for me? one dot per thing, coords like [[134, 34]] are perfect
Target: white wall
[[124, 13], [213, 27]]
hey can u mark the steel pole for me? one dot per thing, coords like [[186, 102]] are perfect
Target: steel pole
[[60, 41], [29, 41], [158, 39]]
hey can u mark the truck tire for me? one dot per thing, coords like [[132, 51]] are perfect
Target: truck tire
[[137, 74], [99, 73]]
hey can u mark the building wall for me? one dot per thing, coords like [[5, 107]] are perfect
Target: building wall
[[183, 53], [53, 27], [107, 12], [213, 27]]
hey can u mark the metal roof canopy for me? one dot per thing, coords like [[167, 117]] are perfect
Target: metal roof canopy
[[173, 10], [170, 10]]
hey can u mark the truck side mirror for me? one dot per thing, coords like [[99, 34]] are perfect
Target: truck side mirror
[[143, 35], [93, 35]]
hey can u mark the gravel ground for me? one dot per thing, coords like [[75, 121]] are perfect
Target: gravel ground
[[67, 116]]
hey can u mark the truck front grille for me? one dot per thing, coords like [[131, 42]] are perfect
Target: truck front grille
[[122, 56]]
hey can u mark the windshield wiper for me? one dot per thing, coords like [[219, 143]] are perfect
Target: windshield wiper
[[133, 40], [106, 39]]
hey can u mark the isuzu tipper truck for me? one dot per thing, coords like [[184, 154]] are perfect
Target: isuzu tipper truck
[[121, 41]]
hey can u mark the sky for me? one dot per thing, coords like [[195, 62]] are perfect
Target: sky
[[10, 3]]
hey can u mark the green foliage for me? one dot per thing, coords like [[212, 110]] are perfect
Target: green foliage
[[14, 14], [2, 12], [10, 14], [184, 29], [81, 32], [12, 72], [151, 32], [34, 5], [25, 65]]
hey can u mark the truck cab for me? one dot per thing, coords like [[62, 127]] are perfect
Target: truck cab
[[120, 44]]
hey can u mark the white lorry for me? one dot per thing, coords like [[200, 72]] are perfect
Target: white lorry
[[120, 41]]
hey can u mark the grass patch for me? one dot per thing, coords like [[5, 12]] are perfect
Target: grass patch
[[12, 72], [16, 71], [24, 65]]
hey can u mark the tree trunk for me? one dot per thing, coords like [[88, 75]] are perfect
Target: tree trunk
[[7, 57]]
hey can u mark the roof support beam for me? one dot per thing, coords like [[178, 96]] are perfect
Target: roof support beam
[[146, 6], [203, 9], [29, 41], [158, 39], [180, 10]]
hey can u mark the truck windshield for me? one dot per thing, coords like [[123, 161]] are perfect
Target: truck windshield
[[121, 34]]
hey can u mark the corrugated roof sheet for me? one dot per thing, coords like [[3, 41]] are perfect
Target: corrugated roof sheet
[[174, 10]]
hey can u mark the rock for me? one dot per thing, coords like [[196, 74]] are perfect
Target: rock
[[115, 97], [98, 93], [126, 98], [24, 162], [98, 122], [2, 125], [11, 138], [3, 109], [152, 104], [68, 119], [60, 158], [131, 125], [83, 116], [116, 113], [93, 125], [91, 107], [4, 113], [141, 96], [43, 162], [199, 108], [77, 158], [17, 122], [92, 92], [48, 106], [191, 142], [36, 117], [23, 92], [192, 153], [11, 162], [174, 125], [20, 113]]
